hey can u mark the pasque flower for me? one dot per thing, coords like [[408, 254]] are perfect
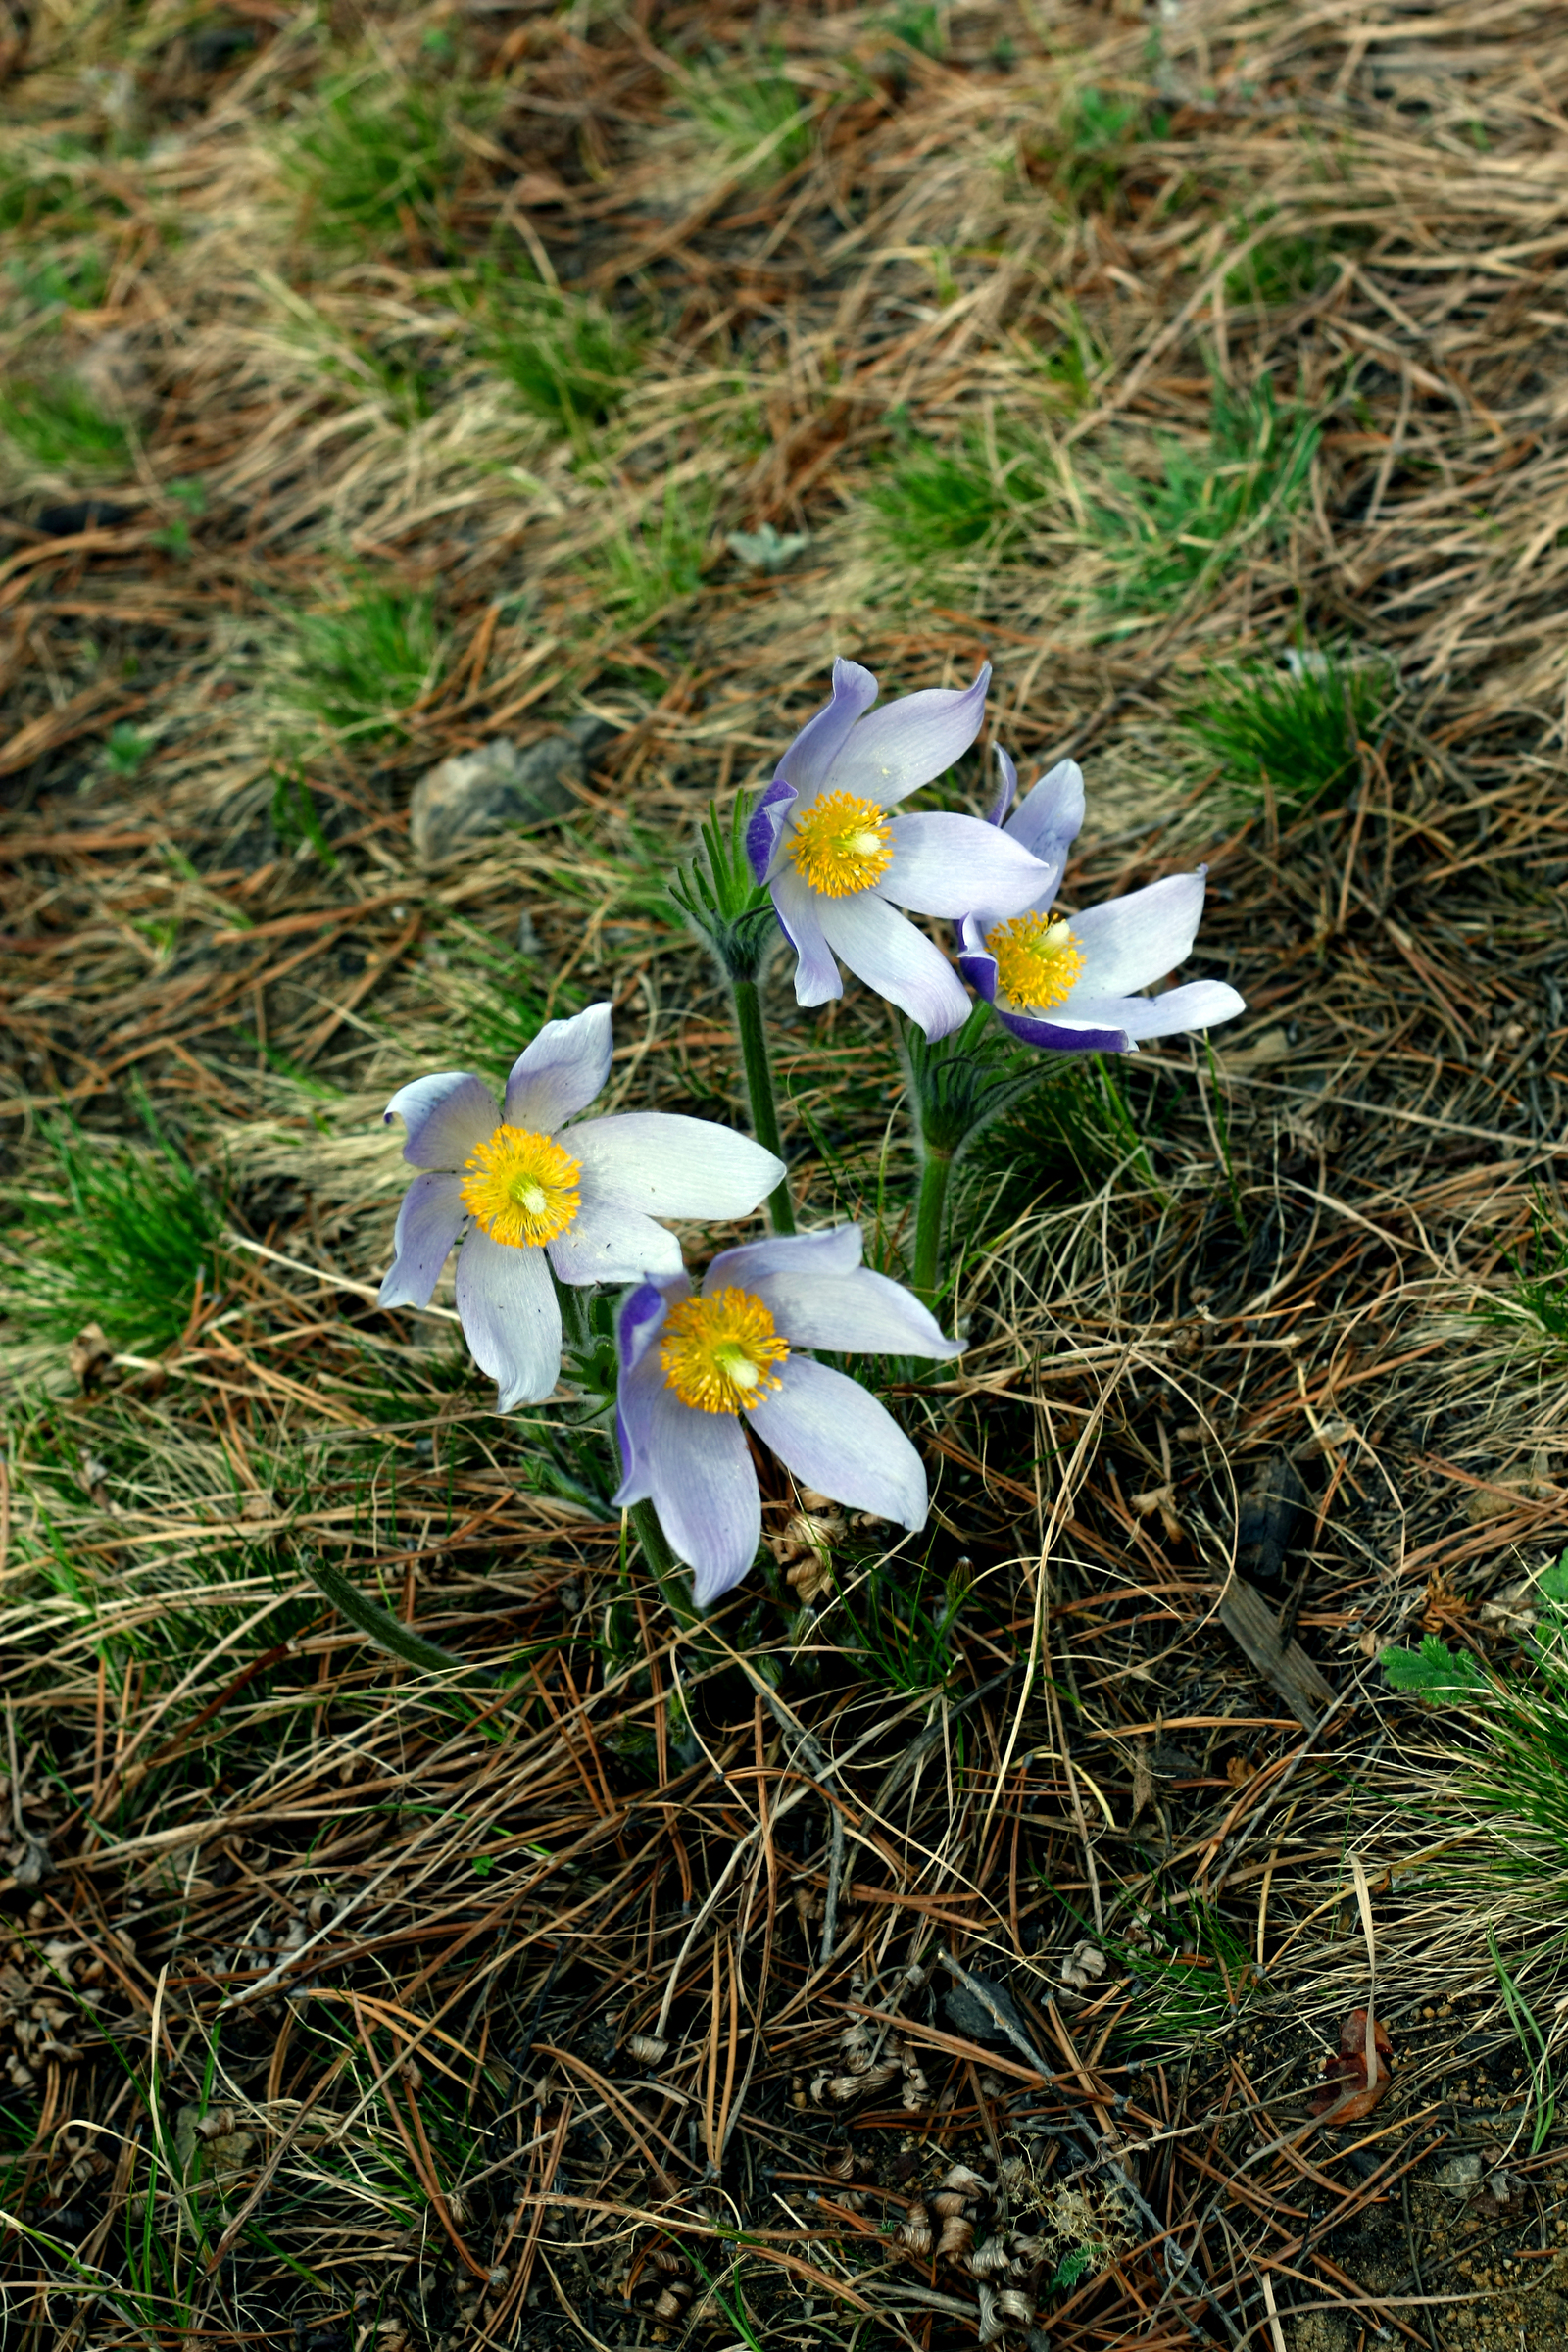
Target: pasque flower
[[839, 866], [1072, 982], [529, 1188], [701, 1372]]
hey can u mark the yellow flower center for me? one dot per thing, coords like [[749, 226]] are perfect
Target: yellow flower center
[[842, 844], [717, 1354], [521, 1187], [1039, 964]]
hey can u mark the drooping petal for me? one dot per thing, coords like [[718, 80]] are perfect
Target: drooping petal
[[1129, 943], [834, 1251], [831, 1434], [944, 864], [896, 959], [696, 1469], [560, 1072], [609, 1241], [808, 761], [899, 747], [510, 1318], [447, 1115], [1196, 1004], [859, 1313], [666, 1166], [795, 904], [764, 825], [428, 1223]]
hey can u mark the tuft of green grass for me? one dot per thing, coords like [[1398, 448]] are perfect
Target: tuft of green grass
[[1098, 129], [374, 156], [570, 361], [658, 562], [1062, 1138], [358, 665], [744, 107], [296, 819], [1295, 730], [903, 1632], [949, 499], [58, 281], [1168, 537], [1191, 1974], [1534, 1305], [126, 749], [55, 424], [917, 27], [1278, 270], [123, 1238]]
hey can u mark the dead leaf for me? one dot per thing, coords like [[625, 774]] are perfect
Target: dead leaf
[[1345, 2096], [89, 1355]]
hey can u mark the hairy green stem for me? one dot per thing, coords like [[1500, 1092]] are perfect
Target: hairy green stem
[[759, 1087], [662, 1565], [935, 1170]]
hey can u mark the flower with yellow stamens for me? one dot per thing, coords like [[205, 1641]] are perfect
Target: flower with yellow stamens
[[705, 1375], [521, 1187], [840, 845], [1038, 962], [718, 1353]]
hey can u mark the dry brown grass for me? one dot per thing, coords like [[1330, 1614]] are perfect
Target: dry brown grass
[[622, 1998]]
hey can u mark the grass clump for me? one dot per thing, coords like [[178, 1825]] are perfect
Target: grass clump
[[945, 499], [1168, 537], [658, 561], [746, 106], [570, 361], [377, 159], [122, 1238], [358, 665], [1534, 1305], [1295, 730], [56, 424]]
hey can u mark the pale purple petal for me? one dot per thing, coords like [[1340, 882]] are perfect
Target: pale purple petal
[[510, 1318], [944, 864], [764, 825], [1007, 786], [808, 761], [1129, 943], [896, 959], [831, 1434], [610, 1241], [1196, 1004], [902, 746], [696, 1469], [637, 1327], [834, 1251], [667, 1166], [560, 1072], [447, 1115], [642, 1315], [429, 1221], [795, 904], [860, 1313], [1050, 814]]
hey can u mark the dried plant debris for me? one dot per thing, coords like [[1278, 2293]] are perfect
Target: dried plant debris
[[946, 1942]]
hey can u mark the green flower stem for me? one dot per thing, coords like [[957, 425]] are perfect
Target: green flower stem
[[935, 1171], [662, 1565], [388, 1632], [759, 1086]]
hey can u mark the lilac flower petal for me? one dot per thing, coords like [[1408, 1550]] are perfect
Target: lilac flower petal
[[429, 1221], [896, 959], [666, 1166], [447, 1115], [808, 761], [640, 1377], [944, 864], [1007, 786], [861, 1312], [696, 1469], [1047, 820], [560, 1072], [902, 746], [1129, 943], [763, 824], [510, 1318], [642, 1314], [610, 1241], [1058, 1036], [831, 1434], [1196, 1004], [795, 904], [833, 1252]]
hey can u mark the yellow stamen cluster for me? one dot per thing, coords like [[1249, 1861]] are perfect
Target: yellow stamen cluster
[[840, 844], [717, 1353], [521, 1187], [1039, 964]]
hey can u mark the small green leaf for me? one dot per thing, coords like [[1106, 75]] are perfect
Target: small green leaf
[[1435, 1671]]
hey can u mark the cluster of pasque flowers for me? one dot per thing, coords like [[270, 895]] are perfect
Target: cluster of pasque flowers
[[533, 1194]]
